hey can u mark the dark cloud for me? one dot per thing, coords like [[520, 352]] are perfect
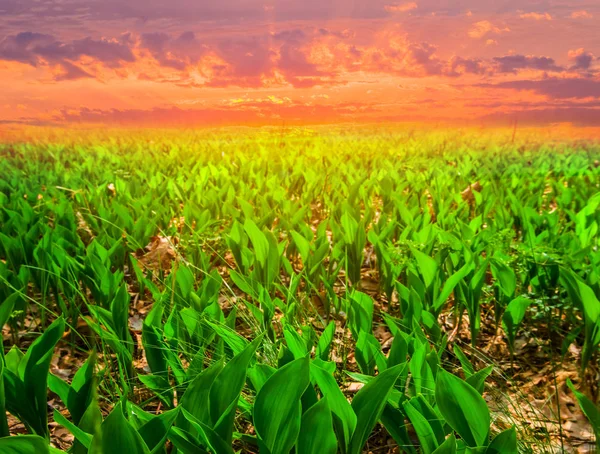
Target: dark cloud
[[173, 53], [555, 87], [459, 65], [423, 55], [238, 11], [71, 72], [36, 48], [582, 60], [514, 63], [578, 116], [247, 114]]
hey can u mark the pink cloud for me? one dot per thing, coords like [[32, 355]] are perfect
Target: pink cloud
[[582, 60]]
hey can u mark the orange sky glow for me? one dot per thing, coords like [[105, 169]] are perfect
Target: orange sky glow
[[258, 62]]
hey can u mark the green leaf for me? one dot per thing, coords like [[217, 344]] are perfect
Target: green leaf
[[83, 437], [513, 316], [302, 245], [591, 412], [195, 400], [208, 436], [4, 431], [324, 344], [316, 431], [6, 308], [464, 361], [277, 408], [344, 418], [463, 408], [504, 443], [24, 444], [505, 276], [368, 405], [33, 371], [156, 430], [259, 241], [477, 380], [294, 342], [447, 447], [422, 427], [226, 391], [427, 266], [185, 441], [450, 284], [118, 435]]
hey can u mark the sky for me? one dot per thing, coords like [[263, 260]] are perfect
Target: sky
[[253, 62]]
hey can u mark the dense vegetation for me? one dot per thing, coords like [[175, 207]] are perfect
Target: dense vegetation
[[297, 292]]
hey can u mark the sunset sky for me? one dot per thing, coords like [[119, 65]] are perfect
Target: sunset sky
[[201, 62]]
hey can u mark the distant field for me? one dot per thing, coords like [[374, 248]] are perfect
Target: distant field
[[297, 290]]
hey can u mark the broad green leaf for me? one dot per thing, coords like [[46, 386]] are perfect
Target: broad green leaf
[[505, 276], [368, 405], [4, 431], [83, 437], [422, 427], [208, 436], [316, 431], [447, 447], [324, 344], [344, 418], [259, 241], [427, 266], [463, 408], [185, 441], [118, 435], [33, 371], [513, 316], [24, 444], [589, 409], [277, 408], [464, 361], [195, 400], [450, 284], [504, 443], [225, 391], [477, 380], [156, 430]]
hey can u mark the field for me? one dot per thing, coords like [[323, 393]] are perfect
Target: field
[[308, 291]]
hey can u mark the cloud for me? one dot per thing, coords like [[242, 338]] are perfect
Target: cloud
[[582, 60], [68, 71], [582, 14], [175, 53], [577, 116], [513, 63], [536, 16], [401, 7], [459, 65], [485, 27], [233, 112], [555, 88], [37, 49]]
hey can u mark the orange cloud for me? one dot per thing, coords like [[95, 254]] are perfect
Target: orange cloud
[[485, 27], [401, 7], [581, 15], [536, 16]]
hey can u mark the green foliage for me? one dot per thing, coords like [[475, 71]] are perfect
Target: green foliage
[[249, 277]]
